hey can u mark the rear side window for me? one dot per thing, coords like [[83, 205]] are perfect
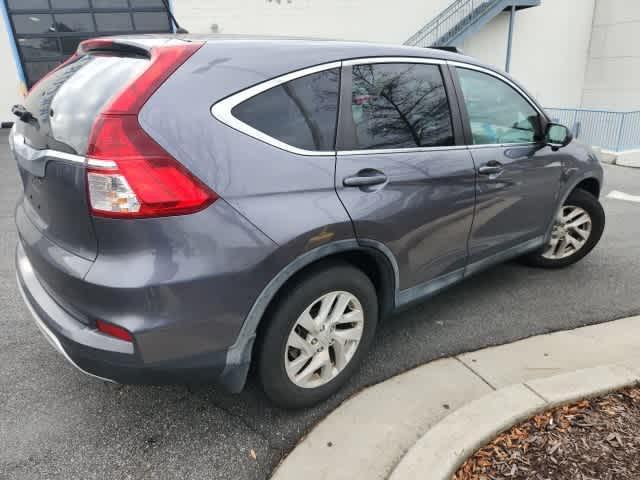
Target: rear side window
[[398, 105], [302, 112], [66, 102]]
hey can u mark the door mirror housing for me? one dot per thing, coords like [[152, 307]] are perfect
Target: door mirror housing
[[557, 136]]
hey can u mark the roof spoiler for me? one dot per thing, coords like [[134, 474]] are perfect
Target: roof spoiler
[[447, 48], [132, 45], [110, 45]]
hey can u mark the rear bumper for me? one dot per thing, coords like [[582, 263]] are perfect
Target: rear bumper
[[115, 360]]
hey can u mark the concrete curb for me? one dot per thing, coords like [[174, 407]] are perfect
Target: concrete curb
[[445, 447], [628, 158], [369, 436]]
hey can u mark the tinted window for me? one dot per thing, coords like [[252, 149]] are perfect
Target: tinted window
[[74, 22], [70, 44], [301, 112], [48, 31], [113, 22], [69, 3], [109, 3], [146, 3], [27, 4], [37, 48], [497, 113], [151, 21], [33, 23], [399, 105]]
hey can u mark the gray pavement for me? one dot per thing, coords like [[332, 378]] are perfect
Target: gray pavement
[[56, 423]]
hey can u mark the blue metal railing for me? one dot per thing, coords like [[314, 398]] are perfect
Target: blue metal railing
[[615, 131], [450, 22]]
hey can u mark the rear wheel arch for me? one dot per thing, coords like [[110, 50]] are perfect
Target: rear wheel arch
[[371, 261]]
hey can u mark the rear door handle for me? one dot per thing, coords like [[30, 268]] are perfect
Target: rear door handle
[[491, 168], [365, 178]]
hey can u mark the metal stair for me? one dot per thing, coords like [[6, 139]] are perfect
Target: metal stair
[[463, 18]]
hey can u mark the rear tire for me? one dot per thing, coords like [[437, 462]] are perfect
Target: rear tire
[[577, 230], [326, 319]]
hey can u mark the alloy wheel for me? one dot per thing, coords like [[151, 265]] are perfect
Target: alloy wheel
[[324, 339], [569, 234]]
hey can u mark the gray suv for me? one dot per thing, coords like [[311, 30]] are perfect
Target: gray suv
[[193, 206]]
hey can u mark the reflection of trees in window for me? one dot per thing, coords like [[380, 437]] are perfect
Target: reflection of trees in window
[[400, 105], [321, 91]]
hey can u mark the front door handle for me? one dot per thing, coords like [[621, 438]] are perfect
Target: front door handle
[[491, 168], [365, 178]]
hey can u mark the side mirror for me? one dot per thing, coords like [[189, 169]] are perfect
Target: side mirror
[[557, 136]]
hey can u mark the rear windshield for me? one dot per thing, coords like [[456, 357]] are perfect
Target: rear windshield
[[67, 102]]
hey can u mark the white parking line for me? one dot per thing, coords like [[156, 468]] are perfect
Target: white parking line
[[623, 196]]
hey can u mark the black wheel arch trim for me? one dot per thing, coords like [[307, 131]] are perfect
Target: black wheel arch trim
[[238, 358]]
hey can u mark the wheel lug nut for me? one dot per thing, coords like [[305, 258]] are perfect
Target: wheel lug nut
[[314, 341]]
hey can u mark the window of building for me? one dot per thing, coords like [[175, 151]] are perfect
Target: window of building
[[47, 32], [497, 113], [399, 105], [301, 113]]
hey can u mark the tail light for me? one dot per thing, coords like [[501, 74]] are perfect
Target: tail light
[[129, 174]]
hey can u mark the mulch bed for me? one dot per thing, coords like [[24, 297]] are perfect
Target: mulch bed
[[597, 439]]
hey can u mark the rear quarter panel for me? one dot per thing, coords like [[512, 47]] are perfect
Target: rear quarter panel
[[289, 197]]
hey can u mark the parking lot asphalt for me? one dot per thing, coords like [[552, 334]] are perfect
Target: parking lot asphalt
[[57, 423]]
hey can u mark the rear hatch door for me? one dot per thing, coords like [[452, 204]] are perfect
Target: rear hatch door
[[49, 144]]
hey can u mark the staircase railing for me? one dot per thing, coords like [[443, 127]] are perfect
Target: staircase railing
[[453, 19]]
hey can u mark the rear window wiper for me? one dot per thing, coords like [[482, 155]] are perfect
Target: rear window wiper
[[23, 114]]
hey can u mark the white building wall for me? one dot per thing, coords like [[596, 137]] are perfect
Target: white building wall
[[612, 79], [553, 43], [369, 20], [549, 51], [9, 81]]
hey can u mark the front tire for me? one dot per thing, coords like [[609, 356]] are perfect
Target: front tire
[[317, 335], [577, 229]]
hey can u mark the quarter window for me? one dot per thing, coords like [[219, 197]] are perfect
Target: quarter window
[[398, 105], [301, 113], [497, 113]]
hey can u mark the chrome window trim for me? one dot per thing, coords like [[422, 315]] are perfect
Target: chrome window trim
[[222, 109], [500, 145], [379, 151], [375, 60], [504, 79]]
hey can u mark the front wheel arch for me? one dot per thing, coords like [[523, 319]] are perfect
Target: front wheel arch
[[591, 185]]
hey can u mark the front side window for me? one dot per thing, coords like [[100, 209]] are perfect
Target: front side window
[[497, 113], [399, 105], [302, 112]]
